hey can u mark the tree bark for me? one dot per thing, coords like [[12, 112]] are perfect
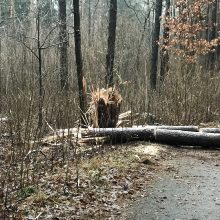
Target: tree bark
[[187, 138], [89, 24], [155, 39], [210, 130], [165, 136], [212, 34], [164, 67], [118, 135], [40, 74], [111, 43], [79, 62], [63, 46]]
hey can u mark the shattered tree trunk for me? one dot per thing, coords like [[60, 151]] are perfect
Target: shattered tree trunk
[[105, 108], [158, 135]]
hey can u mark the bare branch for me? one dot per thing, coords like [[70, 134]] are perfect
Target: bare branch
[[45, 39], [28, 47], [53, 45], [133, 9]]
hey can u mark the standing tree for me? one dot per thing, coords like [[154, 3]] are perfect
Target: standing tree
[[155, 39], [79, 62], [89, 23], [63, 46], [164, 53], [111, 43], [212, 33], [186, 30]]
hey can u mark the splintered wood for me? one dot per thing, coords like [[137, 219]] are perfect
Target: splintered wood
[[105, 107]]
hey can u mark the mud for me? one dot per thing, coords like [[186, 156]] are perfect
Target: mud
[[188, 189]]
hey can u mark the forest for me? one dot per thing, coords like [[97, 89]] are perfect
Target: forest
[[154, 62]]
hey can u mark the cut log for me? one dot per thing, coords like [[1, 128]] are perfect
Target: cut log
[[210, 130], [99, 131], [182, 128], [121, 134], [166, 136], [187, 138]]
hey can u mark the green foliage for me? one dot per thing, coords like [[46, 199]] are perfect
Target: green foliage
[[27, 191]]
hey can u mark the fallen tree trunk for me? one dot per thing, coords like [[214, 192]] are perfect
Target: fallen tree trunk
[[166, 136], [187, 138], [108, 131], [189, 135], [210, 130], [121, 134], [181, 128]]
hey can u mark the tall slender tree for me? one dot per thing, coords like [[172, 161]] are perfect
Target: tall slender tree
[[89, 23], [164, 67], [40, 70], [155, 39], [212, 33], [79, 61], [63, 46], [111, 43]]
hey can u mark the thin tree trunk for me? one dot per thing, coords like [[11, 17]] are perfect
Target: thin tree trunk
[[1, 77], [89, 24], [164, 67], [155, 39], [79, 62], [218, 29], [40, 80], [111, 43], [212, 35], [63, 46]]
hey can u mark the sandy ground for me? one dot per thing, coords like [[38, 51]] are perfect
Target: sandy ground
[[188, 189]]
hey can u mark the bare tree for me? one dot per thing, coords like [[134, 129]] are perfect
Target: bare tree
[[89, 23], [79, 62], [212, 33], [111, 43], [63, 46], [40, 71], [164, 67], [155, 39]]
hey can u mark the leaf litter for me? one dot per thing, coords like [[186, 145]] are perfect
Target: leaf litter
[[95, 187]]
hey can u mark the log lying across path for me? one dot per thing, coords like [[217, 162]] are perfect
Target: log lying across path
[[187, 138], [158, 135], [173, 135], [210, 130]]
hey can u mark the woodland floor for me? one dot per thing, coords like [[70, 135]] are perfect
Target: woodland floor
[[133, 181]]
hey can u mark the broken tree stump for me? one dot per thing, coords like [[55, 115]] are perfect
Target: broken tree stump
[[105, 107]]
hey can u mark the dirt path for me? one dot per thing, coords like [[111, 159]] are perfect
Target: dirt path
[[189, 189]]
